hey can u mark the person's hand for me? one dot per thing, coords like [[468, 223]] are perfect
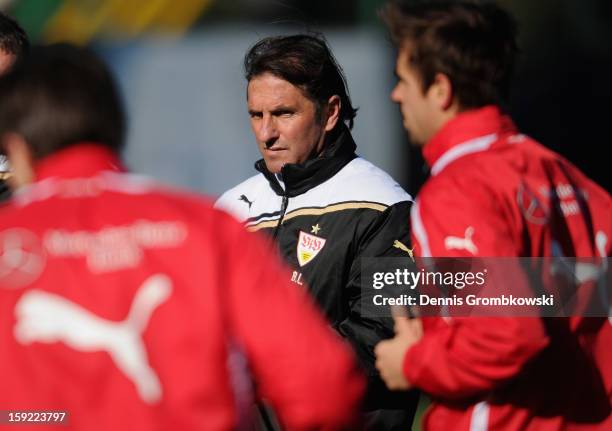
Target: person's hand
[[390, 353]]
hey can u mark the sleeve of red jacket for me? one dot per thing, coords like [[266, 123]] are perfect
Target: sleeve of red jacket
[[466, 356], [301, 366]]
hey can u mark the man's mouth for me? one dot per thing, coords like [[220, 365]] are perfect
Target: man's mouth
[[275, 149]]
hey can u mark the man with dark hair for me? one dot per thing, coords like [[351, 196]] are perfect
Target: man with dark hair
[[492, 192], [13, 44], [128, 306], [326, 207]]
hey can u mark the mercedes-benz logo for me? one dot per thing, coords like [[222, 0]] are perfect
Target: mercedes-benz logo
[[533, 209], [22, 258]]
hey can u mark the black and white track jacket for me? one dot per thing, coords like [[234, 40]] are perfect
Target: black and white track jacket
[[325, 215]]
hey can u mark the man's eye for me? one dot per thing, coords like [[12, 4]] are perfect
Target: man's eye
[[283, 114], [255, 114]]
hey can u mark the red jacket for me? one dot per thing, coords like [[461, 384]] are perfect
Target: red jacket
[[495, 192], [125, 305]]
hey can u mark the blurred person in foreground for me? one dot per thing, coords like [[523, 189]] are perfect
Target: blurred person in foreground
[[325, 207], [13, 44], [121, 301], [492, 192]]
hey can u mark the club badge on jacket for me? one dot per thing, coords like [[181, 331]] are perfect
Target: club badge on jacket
[[308, 247]]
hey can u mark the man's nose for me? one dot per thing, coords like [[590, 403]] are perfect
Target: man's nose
[[395, 94], [267, 131]]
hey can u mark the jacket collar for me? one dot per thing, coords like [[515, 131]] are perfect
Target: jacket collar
[[78, 161], [298, 178], [470, 125]]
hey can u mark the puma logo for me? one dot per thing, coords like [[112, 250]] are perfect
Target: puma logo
[[466, 243], [580, 272], [575, 271], [601, 241], [49, 318], [404, 247], [245, 199]]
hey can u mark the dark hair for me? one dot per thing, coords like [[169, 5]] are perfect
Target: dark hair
[[13, 40], [474, 44], [60, 95], [305, 61]]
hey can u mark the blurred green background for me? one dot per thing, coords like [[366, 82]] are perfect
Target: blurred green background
[[561, 96]]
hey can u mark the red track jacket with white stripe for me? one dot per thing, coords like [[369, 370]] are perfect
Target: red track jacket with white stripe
[[495, 192], [124, 304]]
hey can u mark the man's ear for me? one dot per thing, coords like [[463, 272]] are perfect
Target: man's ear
[[332, 112], [20, 159], [441, 92]]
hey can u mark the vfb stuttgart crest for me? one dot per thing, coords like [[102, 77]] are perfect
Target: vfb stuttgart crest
[[308, 247]]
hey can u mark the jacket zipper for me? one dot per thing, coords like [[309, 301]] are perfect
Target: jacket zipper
[[282, 215]]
